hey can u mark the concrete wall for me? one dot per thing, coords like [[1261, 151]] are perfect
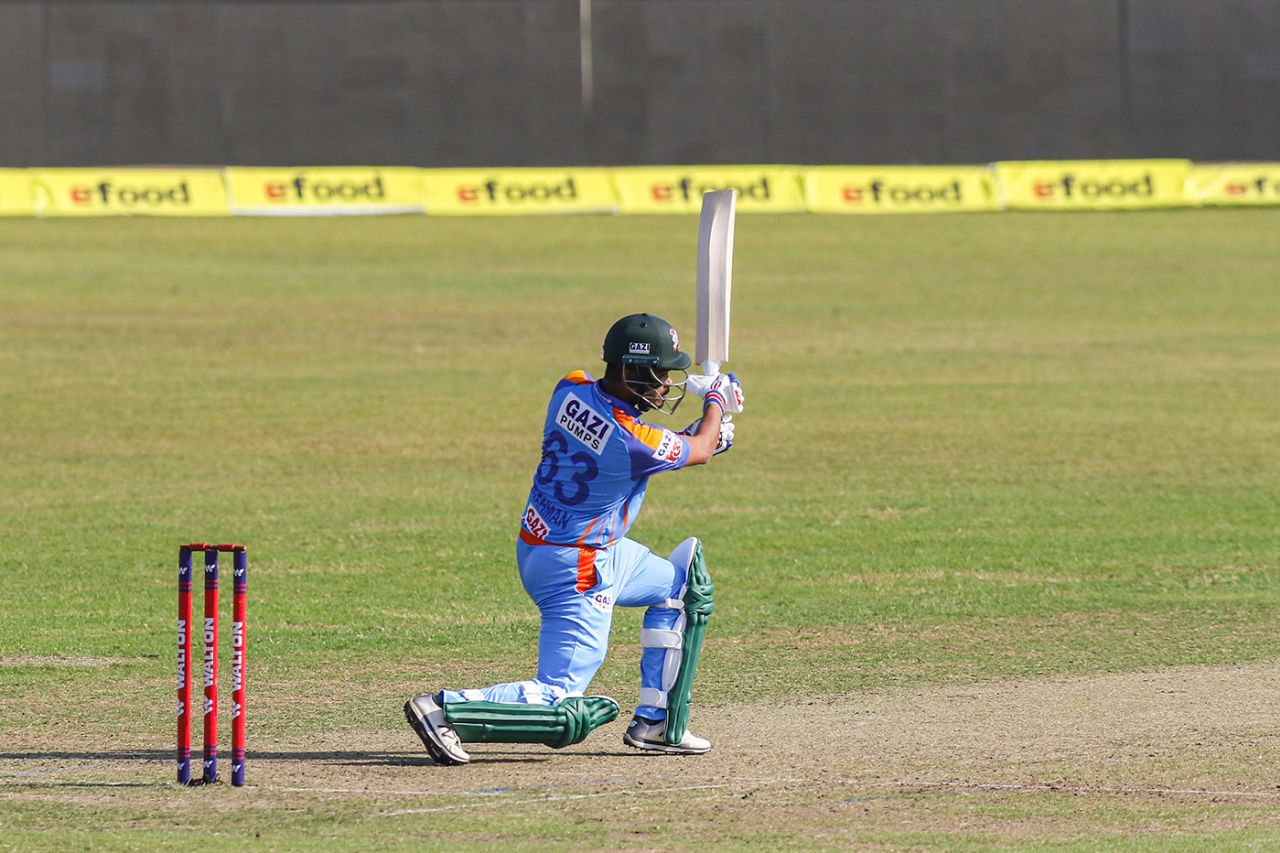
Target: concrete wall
[[499, 82]]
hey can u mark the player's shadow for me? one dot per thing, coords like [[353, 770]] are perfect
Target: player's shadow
[[340, 758]]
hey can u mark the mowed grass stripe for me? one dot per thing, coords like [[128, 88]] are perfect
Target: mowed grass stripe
[[1075, 395]]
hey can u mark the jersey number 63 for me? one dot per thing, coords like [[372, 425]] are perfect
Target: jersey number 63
[[571, 486]]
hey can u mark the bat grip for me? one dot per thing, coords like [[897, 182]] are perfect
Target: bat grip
[[710, 368]]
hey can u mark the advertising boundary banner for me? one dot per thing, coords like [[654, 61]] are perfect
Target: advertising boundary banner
[[1234, 184], [129, 191], [877, 190], [17, 193], [1012, 185], [518, 192], [1082, 185], [662, 190], [324, 190]]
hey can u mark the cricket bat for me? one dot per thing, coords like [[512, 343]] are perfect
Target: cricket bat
[[715, 278]]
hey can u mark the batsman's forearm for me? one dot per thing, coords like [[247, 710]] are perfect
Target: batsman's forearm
[[702, 444]]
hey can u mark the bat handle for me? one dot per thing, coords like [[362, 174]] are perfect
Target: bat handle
[[710, 368]]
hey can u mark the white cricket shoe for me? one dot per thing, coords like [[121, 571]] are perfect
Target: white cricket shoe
[[426, 716], [643, 734]]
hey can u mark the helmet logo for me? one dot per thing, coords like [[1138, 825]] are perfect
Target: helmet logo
[[638, 348], [675, 340]]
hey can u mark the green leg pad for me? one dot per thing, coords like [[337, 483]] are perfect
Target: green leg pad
[[698, 605], [556, 726]]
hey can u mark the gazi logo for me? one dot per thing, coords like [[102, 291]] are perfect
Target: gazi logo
[[687, 189], [882, 193], [314, 190], [1071, 187], [109, 194], [517, 192]]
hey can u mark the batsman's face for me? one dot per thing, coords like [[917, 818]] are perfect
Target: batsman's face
[[652, 387], [659, 388]]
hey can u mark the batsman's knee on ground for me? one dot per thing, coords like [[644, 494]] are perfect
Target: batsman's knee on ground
[[557, 726]]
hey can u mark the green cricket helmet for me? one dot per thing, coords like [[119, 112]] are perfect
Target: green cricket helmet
[[642, 345], [644, 339]]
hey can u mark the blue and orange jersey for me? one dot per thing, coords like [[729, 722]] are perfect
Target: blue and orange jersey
[[597, 457]]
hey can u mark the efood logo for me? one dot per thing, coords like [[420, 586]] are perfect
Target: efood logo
[[687, 189], [1258, 186], [128, 195], [1071, 187], [518, 193], [879, 192], [305, 189]]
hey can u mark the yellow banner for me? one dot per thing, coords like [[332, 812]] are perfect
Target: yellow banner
[[679, 189], [1092, 184], [899, 189], [17, 193], [1235, 184], [324, 191], [517, 192], [129, 192]]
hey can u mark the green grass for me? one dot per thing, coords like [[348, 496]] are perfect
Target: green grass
[[975, 447]]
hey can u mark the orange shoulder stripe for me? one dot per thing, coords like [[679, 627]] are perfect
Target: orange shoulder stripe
[[651, 436]]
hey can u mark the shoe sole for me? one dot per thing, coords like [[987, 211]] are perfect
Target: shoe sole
[[663, 747], [423, 730]]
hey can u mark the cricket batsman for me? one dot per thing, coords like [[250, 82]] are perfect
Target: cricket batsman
[[577, 563]]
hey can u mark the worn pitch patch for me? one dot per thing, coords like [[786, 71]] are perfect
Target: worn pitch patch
[[1190, 749]]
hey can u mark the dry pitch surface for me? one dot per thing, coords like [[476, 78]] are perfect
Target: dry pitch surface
[[1082, 760]]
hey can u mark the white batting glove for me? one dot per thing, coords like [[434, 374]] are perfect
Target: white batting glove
[[698, 384], [726, 433], [726, 392]]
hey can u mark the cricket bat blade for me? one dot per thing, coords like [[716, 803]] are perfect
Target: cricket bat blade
[[715, 278]]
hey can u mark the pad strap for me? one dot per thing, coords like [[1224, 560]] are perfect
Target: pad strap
[[660, 638]]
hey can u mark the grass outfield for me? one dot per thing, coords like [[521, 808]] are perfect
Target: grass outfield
[[1020, 465]]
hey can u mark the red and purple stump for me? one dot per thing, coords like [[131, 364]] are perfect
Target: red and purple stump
[[209, 637]]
